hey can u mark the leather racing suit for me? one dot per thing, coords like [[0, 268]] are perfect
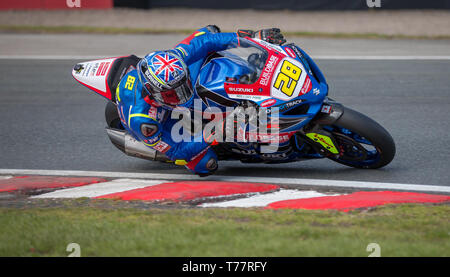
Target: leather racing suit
[[151, 123]]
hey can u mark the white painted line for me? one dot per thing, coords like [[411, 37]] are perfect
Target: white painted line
[[5, 177], [319, 57], [99, 189], [270, 180], [262, 200]]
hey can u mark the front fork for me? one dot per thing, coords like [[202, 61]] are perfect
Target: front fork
[[317, 138]]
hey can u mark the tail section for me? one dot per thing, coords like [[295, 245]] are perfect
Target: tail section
[[104, 75], [94, 75]]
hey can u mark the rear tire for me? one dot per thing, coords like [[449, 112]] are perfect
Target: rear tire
[[363, 128], [112, 116]]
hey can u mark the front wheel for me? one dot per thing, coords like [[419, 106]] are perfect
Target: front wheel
[[363, 143]]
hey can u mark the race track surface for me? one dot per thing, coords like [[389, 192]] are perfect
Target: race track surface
[[49, 121]]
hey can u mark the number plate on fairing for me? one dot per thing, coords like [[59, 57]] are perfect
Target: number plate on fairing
[[290, 80]]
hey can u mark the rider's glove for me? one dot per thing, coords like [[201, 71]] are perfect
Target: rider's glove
[[272, 35]]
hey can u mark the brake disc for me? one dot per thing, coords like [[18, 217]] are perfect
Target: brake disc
[[350, 149]]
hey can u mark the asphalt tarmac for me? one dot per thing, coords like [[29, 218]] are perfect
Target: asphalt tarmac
[[49, 121], [102, 45]]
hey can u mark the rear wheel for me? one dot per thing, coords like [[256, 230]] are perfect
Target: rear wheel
[[363, 143], [112, 116]]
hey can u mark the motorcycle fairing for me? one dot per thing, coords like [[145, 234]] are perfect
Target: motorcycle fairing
[[210, 83], [94, 75], [220, 77]]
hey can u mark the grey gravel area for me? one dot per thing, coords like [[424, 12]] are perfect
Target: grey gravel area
[[411, 23]]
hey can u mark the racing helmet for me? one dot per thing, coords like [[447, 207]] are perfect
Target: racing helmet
[[165, 77]]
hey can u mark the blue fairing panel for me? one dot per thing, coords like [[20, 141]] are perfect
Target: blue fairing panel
[[213, 75]]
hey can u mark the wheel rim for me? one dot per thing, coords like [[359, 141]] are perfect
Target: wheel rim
[[355, 149]]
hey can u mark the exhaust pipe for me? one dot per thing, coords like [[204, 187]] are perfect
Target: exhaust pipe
[[130, 146]]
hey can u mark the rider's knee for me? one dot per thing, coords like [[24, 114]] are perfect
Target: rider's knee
[[205, 164]]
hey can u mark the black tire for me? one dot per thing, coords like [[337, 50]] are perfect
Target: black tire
[[112, 116], [373, 132]]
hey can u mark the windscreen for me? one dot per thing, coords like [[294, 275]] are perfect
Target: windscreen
[[250, 55]]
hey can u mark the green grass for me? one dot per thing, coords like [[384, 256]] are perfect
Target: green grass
[[125, 30], [401, 230]]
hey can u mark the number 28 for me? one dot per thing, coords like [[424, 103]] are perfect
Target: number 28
[[287, 78], [130, 82]]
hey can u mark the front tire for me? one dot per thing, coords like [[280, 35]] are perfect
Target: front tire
[[363, 142]]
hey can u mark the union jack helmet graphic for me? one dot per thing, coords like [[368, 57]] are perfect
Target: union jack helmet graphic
[[165, 77]]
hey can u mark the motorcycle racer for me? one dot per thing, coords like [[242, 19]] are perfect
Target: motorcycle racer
[[162, 81]]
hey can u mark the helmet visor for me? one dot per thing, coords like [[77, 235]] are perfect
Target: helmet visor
[[173, 97]]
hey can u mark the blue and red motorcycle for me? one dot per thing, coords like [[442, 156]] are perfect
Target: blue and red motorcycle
[[277, 80]]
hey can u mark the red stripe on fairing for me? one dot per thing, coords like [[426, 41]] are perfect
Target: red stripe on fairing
[[106, 94], [100, 68], [106, 66], [45, 182], [190, 190], [361, 199], [108, 91], [290, 52], [307, 86]]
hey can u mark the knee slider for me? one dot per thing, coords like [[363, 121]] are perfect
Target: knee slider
[[211, 165], [206, 165]]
